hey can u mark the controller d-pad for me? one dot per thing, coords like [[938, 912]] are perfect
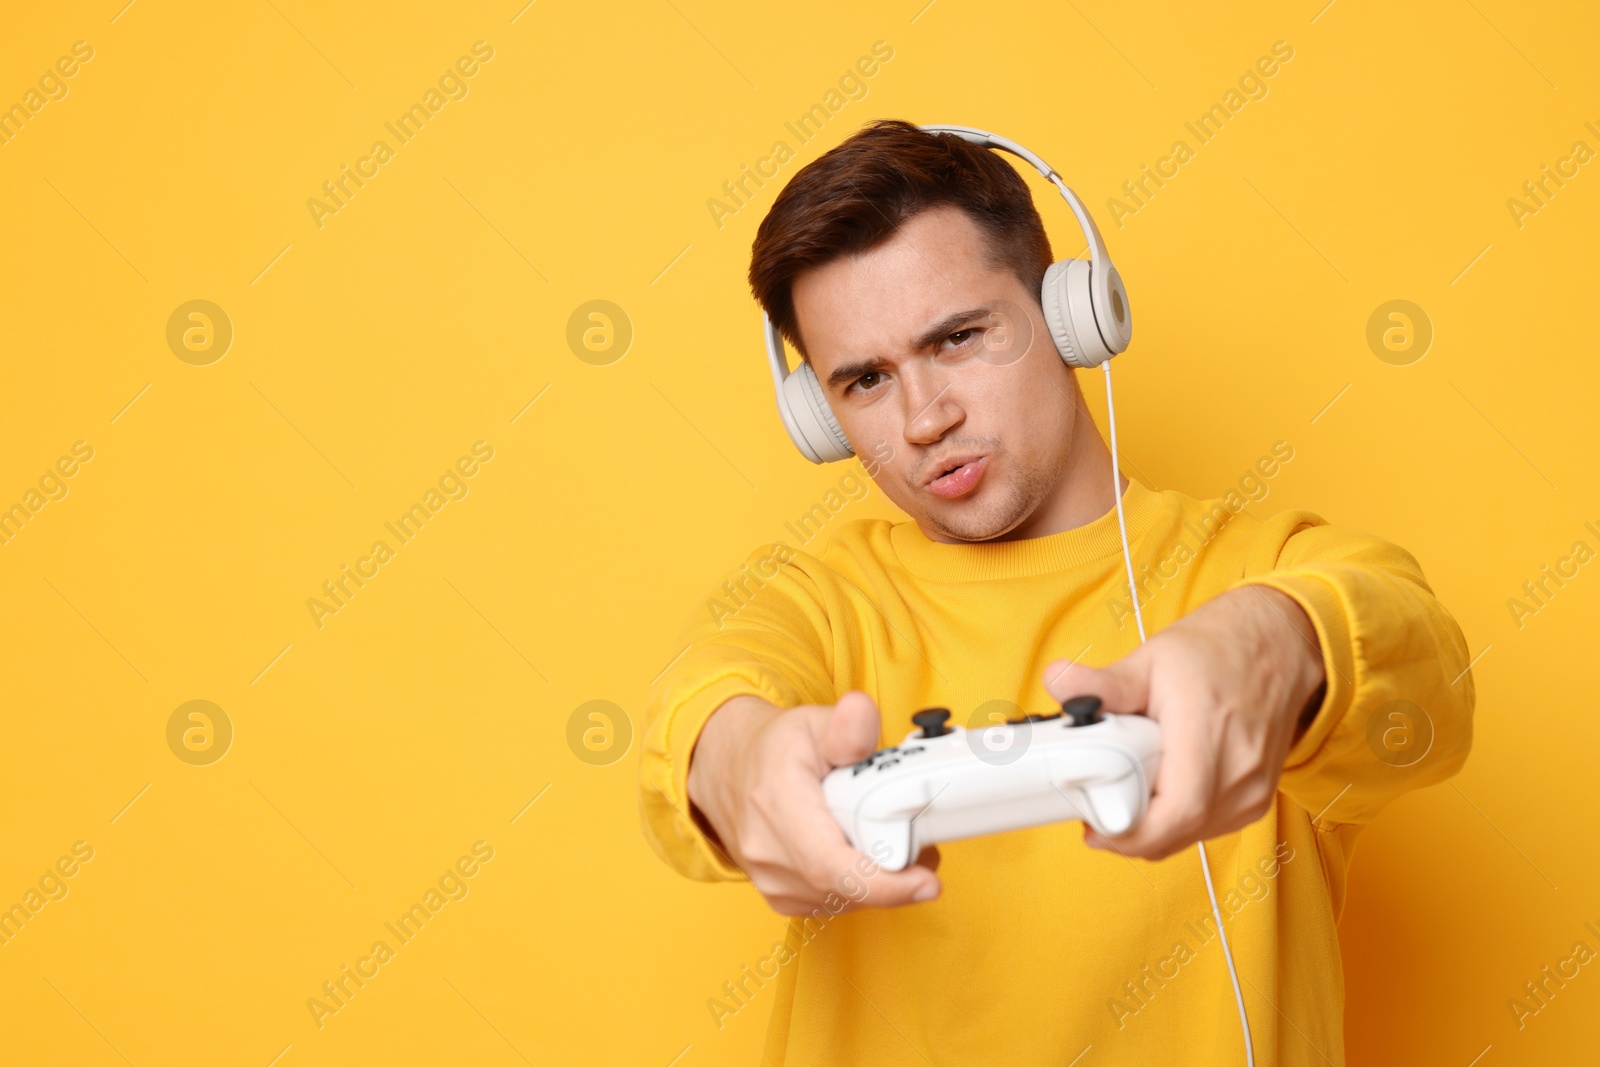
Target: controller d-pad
[[886, 757], [873, 760]]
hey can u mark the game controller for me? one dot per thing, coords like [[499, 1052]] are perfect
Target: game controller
[[944, 783]]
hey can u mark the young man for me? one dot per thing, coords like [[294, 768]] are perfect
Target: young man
[[1303, 675]]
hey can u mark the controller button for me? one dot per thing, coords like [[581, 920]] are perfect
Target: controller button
[[1083, 711], [857, 768], [932, 721]]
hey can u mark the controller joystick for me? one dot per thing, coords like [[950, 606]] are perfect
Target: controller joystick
[[1083, 711], [932, 721]]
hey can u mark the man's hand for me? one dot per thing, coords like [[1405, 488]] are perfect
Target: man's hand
[[1231, 684], [756, 777]]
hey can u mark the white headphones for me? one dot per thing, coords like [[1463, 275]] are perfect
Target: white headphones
[[1085, 305]]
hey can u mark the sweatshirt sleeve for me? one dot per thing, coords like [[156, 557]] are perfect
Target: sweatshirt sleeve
[[1397, 714], [763, 633]]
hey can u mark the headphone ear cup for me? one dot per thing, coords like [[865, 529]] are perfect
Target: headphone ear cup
[[1069, 312], [1113, 313], [812, 425]]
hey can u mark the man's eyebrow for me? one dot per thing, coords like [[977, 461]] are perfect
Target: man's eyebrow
[[849, 372], [947, 326]]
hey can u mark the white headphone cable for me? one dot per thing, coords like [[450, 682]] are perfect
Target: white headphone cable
[[1138, 618]]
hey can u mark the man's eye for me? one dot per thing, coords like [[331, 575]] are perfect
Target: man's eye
[[962, 337], [867, 382]]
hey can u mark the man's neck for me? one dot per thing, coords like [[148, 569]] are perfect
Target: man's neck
[[1084, 491]]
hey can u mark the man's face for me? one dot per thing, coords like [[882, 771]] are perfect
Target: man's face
[[940, 369]]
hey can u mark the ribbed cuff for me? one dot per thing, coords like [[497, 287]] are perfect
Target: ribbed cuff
[[683, 731]]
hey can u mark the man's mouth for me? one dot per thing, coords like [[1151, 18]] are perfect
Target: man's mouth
[[958, 476]]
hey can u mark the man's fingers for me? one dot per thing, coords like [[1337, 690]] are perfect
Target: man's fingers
[[1182, 796], [1176, 818], [842, 871], [882, 889], [825, 859], [850, 733], [917, 884], [808, 861]]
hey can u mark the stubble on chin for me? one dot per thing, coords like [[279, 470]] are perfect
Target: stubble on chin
[[976, 522]]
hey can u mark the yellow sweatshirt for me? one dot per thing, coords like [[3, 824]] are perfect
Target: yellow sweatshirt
[[1040, 949]]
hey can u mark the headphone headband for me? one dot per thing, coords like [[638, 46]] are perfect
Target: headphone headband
[[983, 138]]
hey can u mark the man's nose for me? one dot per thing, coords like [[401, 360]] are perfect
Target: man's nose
[[932, 408]]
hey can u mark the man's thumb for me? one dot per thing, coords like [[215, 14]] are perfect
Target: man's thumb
[[851, 732], [1121, 686]]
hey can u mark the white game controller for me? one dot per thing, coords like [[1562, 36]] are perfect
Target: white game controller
[[944, 783]]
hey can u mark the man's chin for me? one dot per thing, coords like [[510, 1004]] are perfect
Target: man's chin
[[975, 519]]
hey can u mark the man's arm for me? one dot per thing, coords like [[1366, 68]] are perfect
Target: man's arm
[[739, 733], [1398, 711], [1330, 673]]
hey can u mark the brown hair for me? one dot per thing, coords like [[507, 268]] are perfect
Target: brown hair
[[856, 195]]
